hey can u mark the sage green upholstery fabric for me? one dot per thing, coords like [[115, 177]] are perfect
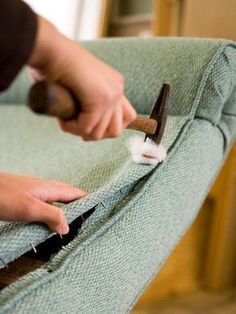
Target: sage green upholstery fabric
[[147, 209]]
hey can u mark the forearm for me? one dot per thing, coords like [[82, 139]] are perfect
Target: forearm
[[105, 111], [48, 41]]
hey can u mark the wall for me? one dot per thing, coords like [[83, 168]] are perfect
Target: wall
[[78, 19], [63, 13]]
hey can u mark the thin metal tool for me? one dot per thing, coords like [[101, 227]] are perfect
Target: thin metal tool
[[102, 202], [33, 248]]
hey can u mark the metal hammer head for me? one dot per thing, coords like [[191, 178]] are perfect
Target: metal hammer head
[[159, 113]]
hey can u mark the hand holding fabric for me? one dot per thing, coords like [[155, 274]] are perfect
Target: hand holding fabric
[[28, 199]]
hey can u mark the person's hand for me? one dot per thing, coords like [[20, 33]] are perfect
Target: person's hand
[[26, 198], [100, 88]]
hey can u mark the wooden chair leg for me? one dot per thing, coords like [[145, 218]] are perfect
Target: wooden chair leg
[[220, 271]]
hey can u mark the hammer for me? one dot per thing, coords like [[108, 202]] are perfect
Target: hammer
[[55, 100]]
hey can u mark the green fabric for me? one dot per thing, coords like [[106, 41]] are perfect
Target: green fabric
[[106, 267], [17, 93], [101, 168]]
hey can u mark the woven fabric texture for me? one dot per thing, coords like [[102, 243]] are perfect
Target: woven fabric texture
[[147, 209], [100, 168]]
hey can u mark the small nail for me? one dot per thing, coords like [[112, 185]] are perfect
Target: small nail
[[81, 193], [33, 248]]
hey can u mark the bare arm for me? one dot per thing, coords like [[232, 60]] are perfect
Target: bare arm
[[100, 88]]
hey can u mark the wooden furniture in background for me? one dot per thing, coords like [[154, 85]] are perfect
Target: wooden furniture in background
[[194, 18], [167, 16], [104, 18], [130, 18], [209, 18], [220, 269]]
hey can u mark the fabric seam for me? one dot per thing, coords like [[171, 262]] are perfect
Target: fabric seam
[[39, 281], [205, 76]]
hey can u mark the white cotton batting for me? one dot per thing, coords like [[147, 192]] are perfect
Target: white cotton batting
[[146, 152]]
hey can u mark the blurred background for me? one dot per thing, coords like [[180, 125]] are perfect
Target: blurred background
[[90, 19], [200, 275]]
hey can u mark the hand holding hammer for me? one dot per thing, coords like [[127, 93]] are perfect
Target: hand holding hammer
[[55, 100]]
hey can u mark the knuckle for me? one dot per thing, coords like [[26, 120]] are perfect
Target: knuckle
[[96, 136], [133, 115], [120, 81], [108, 98], [115, 133], [87, 129], [59, 216], [112, 94], [29, 207], [120, 90]]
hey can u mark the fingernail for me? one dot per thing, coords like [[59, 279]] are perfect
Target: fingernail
[[84, 193], [65, 228], [81, 193]]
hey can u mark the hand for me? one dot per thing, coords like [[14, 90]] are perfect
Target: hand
[[100, 89], [26, 198]]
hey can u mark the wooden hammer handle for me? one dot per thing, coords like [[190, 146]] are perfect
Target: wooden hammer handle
[[55, 100], [143, 124]]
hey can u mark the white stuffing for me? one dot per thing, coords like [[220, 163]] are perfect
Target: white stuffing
[[146, 152]]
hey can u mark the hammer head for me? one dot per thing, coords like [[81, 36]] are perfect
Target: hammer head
[[159, 113]]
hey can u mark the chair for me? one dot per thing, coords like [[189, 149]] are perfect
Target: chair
[[135, 214]]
